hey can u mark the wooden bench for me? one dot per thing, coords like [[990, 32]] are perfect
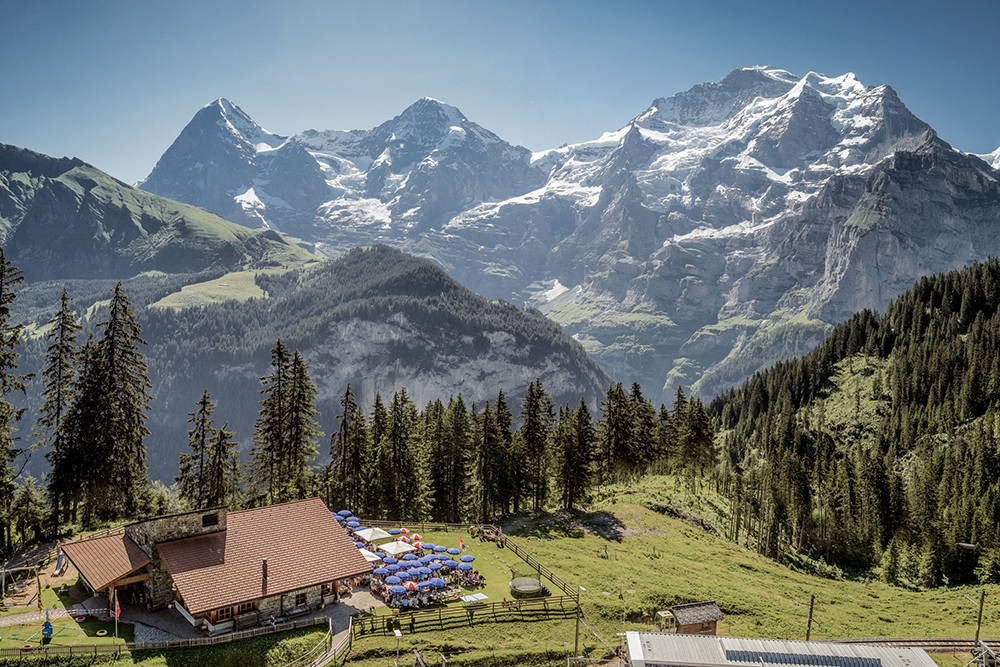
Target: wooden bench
[[246, 620], [298, 611]]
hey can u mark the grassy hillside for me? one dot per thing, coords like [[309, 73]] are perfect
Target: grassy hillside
[[634, 560], [63, 218]]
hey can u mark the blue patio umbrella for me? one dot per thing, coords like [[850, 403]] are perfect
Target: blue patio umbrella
[[434, 567], [415, 572], [428, 546], [454, 551], [405, 576], [425, 559], [339, 518], [437, 582], [360, 545], [450, 563], [467, 558], [440, 548], [353, 522], [465, 567], [423, 570], [394, 531], [424, 584], [393, 567], [393, 580], [380, 571], [397, 590], [390, 560], [409, 557], [345, 513]]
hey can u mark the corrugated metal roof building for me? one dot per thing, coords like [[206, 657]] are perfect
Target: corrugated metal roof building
[[661, 649]]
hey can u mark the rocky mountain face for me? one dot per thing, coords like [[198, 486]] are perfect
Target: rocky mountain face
[[721, 229], [62, 218], [411, 172]]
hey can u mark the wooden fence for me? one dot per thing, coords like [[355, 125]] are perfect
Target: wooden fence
[[443, 618], [569, 591], [200, 642]]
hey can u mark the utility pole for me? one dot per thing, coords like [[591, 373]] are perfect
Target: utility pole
[[979, 617], [809, 625]]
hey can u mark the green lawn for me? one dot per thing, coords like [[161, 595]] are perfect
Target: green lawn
[[233, 286], [270, 651]]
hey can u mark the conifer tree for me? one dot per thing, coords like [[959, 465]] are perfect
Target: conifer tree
[[645, 443], [271, 431], [536, 423], [123, 479], [222, 469], [352, 463], [510, 464], [192, 483], [58, 377], [80, 470], [616, 446], [575, 447], [454, 459], [301, 444], [10, 382]]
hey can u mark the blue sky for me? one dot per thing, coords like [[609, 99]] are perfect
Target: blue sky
[[114, 81]]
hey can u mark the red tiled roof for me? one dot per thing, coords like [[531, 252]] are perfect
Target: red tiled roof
[[302, 542], [102, 560]]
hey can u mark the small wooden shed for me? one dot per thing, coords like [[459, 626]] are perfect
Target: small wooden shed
[[694, 618]]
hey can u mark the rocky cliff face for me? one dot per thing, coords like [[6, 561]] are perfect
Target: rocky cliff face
[[721, 229]]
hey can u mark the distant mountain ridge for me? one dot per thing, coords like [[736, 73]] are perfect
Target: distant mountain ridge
[[63, 218], [718, 231]]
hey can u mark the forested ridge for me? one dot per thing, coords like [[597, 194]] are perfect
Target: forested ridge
[[360, 319], [899, 471]]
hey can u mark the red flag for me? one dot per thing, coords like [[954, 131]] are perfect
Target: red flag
[[117, 609], [461, 544]]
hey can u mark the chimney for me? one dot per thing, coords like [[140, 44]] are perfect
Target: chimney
[[263, 577]]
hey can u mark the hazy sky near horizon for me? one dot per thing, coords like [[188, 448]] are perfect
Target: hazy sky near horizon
[[114, 81]]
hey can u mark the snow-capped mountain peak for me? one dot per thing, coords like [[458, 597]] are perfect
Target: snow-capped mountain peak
[[992, 159], [240, 125]]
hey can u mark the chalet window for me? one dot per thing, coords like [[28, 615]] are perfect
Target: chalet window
[[209, 520], [300, 599], [706, 626], [245, 607], [326, 589], [224, 614]]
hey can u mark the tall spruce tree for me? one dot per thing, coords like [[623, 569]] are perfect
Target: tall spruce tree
[[271, 430], [299, 449], [616, 451], [192, 483], [123, 479], [536, 423], [80, 469], [574, 441], [352, 464], [222, 469], [58, 378], [10, 382]]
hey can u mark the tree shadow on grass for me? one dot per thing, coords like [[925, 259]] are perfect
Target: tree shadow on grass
[[573, 524]]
